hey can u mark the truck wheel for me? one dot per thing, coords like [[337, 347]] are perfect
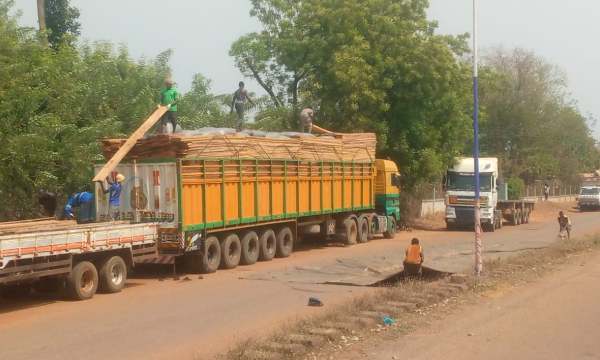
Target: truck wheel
[[15, 291], [392, 232], [231, 252], [526, 217], [82, 283], [350, 231], [250, 248], [112, 275], [285, 242], [513, 219], [268, 245], [363, 230], [519, 217], [372, 227], [489, 227], [500, 219], [211, 259]]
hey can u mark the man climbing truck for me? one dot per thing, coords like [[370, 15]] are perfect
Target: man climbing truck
[[218, 212], [460, 197]]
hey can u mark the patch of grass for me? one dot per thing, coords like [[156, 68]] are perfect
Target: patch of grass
[[524, 267]]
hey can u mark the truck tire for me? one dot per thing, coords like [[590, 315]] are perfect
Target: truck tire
[[350, 231], [112, 275], [526, 217], [285, 242], [231, 252], [210, 260], [363, 230], [15, 291], [500, 219], [392, 232], [268, 245], [488, 227], [372, 226], [519, 217], [250, 248], [512, 219], [82, 283]]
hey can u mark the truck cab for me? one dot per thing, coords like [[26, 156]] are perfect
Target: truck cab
[[459, 184], [589, 198]]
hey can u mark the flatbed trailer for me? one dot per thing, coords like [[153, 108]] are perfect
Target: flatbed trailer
[[81, 258], [516, 212]]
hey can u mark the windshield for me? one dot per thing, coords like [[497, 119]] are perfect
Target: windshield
[[466, 182], [589, 191]]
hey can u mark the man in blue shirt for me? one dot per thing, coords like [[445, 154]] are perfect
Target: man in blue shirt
[[84, 201], [114, 204]]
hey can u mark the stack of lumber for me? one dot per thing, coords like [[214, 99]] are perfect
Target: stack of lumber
[[44, 225], [340, 147]]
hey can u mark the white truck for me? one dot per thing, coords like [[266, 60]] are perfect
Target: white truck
[[589, 195], [49, 255], [459, 185]]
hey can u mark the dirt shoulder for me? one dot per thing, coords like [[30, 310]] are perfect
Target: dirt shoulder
[[355, 330], [542, 211]]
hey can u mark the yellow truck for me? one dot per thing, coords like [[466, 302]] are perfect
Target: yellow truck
[[222, 212]]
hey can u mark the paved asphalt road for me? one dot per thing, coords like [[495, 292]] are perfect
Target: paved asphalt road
[[174, 319]]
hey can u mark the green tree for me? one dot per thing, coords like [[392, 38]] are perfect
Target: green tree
[[532, 125], [374, 65], [61, 20], [56, 104]]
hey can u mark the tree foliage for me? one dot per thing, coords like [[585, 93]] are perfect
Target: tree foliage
[[56, 104], [374, 65], [62, 21], [531, 124]]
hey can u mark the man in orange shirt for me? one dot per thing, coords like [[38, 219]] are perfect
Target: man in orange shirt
[[413, 263]]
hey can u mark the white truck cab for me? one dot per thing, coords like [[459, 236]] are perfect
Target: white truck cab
[[460, 194]]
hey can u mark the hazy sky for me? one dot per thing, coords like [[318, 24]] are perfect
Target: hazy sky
[[201, 31]]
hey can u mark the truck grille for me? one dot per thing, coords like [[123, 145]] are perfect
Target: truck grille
[[466, 213]]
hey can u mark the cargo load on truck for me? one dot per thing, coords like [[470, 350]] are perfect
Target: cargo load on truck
[[223, 199]]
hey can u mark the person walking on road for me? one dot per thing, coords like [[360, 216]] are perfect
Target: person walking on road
[[305, 119], [546, 191], [565, 224], [413, 263], [239, 100], [169, 97], [84, 201], [114, 204], [49, 202]]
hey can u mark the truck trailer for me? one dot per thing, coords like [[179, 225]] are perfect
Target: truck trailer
[[220, 212], [51, 255], [459, 185]]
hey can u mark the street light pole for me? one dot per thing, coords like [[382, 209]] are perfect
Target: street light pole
[[478, 260]]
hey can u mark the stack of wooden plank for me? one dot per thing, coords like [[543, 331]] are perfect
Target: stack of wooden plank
[[341, 147], [43, 225]]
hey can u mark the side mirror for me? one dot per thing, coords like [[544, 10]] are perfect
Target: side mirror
[[396, 180]]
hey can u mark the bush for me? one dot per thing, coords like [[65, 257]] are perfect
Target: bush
[[515, 188]]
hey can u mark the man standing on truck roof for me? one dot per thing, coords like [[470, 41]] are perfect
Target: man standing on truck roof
[[305, 119], [114, 204], [413, 263], [169, 97], [565, 224], [239, 99], [83, 200], [49, 202]]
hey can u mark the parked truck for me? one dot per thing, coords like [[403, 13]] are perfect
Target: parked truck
[[459, 185], [50, 254], [221, 212]]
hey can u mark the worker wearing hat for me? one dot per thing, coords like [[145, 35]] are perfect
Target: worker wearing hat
[[114, 204], [169, 97]]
